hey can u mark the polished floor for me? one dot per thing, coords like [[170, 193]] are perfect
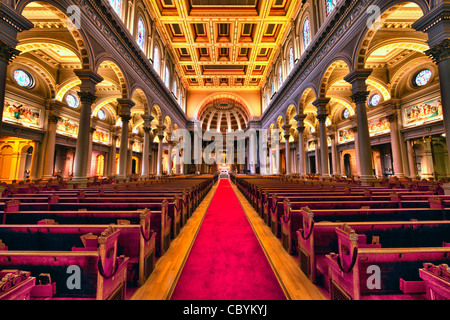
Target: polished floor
[[162, 281]]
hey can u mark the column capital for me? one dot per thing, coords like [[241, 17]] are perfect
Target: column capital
[[87, 97], [439, 52], [89, 79], [52, 118], [126, 105], [286, 127], [147, 129], [300, 118], [358, 79], [360, 96], [435, 23], [322, 117], [92, 130], [321, 105], [392, 117], [7, 53]]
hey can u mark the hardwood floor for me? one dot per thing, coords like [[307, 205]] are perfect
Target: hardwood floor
[[162, 281]]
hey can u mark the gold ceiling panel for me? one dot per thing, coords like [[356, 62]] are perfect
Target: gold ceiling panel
[[223, 43]]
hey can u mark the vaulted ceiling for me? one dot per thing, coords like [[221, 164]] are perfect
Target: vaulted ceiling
[[223, 43]]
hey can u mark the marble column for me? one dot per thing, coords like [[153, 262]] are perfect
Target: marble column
[[252, 140], [334, 155], [395, 145], [287, 153], [125, 115], [317, 155], [159, 164], [112, 155], [437, 26], [147, 145], [89, 162], [301, 144], [359, 96], [7, 54], [169, 159], [89, 79], [322, 113], [411, 161], [50, 147]]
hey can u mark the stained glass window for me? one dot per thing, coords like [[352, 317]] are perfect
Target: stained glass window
[[72, 101], [116, 5], [141, 33], [174, 88], [101, 114], [374, 100], [166, 77], [156, 59], [346, 114], [23, 79], [331, 4], [291, 58], [306, 33], [422, 78], [280, 75]]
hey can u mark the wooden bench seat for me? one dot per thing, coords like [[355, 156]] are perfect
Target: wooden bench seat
[[103, 273], [378, 273], [135, 241], [293, 220], [316, 239], [160, 222], [437, 281]]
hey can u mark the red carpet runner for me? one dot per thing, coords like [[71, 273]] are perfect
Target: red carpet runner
[[226, 261]]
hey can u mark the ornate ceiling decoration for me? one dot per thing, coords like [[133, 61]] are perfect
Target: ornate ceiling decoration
[[227, 44]]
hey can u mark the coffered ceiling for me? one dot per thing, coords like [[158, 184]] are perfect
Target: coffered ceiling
[[223, 43]]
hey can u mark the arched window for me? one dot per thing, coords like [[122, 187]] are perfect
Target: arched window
[[291, 58], [306, 33], [116, 5], [174, 89], [156, 59], [23, 79], [330, 4], [166, 77], [140, 39], [280, 75], [273, 88]]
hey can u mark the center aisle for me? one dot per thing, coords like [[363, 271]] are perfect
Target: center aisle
[[226, 261]]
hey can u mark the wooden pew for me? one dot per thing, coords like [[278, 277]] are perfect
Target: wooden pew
[[104, 274], [378, 273], [159, 220], [316, 239], [16, 285], [293, 220], [136, 241], [437, 281]]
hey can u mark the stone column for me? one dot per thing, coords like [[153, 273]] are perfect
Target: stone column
[[287, 135], [317, 154], [147, 144], [10, 25], [334, 155], [89, 162], [35, 161], [7, 54], [87, 97], [50, 147], [359, 96], [412, 163], [301, 144], [322, 114], [125, 115], [395, 145], [160, 133], [112, 155], [437, 26], [169, 160]]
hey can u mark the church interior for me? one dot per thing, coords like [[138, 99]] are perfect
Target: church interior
[[343, 189]]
